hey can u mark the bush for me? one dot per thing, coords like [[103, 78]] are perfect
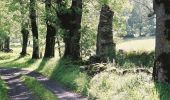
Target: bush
[[135, 59]]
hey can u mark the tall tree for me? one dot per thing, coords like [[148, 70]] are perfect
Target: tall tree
[[51, 31], [25, 34], [71, 21], [24, 28], [7, 44], [33, 16], [105, 45], [161, 72]]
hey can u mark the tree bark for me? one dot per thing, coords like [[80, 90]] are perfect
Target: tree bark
[[1, 45], [7, 44], [105, 45], [71, 22], [51, 32], [161, 71], [59, 46], [24, 28], [25, 34], [35, 54]]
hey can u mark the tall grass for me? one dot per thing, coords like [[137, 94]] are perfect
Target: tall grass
[[3, 91], [135, 59], [109, 86], [105, 85]]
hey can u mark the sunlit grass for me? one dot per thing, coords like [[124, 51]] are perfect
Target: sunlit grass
[[38, 90], [106, 85], [67, 74], [109, 86], [63, 71], [139, 44]]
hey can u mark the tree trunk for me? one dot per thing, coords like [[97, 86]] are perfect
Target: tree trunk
[[51, 32], [7, 44], [59, 46], [161, 71], [71, 21], [35, 54], [1, 45], [25, 34], [24, 28], [105, 45]]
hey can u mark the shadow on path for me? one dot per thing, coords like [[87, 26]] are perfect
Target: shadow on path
[[17, 90]]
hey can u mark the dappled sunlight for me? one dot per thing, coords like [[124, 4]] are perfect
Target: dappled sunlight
[[101, 49], [47, 66], [69, 75]]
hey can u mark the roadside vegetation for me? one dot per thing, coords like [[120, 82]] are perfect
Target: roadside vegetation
[[103, 86], [3, 91], [38, 90]]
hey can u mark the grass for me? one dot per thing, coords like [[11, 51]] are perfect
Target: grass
[[135, 59], [62, 71], [38, 90], [66, 73], [3, 91], [106, 85], [109, 86], [137, 44], [69, 75]]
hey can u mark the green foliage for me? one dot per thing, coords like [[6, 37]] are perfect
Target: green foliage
[[163, 90], [135, 59], [87, 41], [68, 74], [103, 2], [3, 91], [39, 91], [2, 34]]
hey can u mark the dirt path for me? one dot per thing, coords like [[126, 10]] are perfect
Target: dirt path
[[17, 90], [59, 91]]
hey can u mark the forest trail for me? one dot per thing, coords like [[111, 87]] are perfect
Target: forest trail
[[18, 91]]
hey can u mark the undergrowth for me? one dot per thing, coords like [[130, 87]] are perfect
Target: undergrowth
[[68, 74], [105, 85], [3, 91], [135, 59]]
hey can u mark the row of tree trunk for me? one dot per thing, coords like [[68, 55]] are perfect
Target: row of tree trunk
[[70, 21]]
